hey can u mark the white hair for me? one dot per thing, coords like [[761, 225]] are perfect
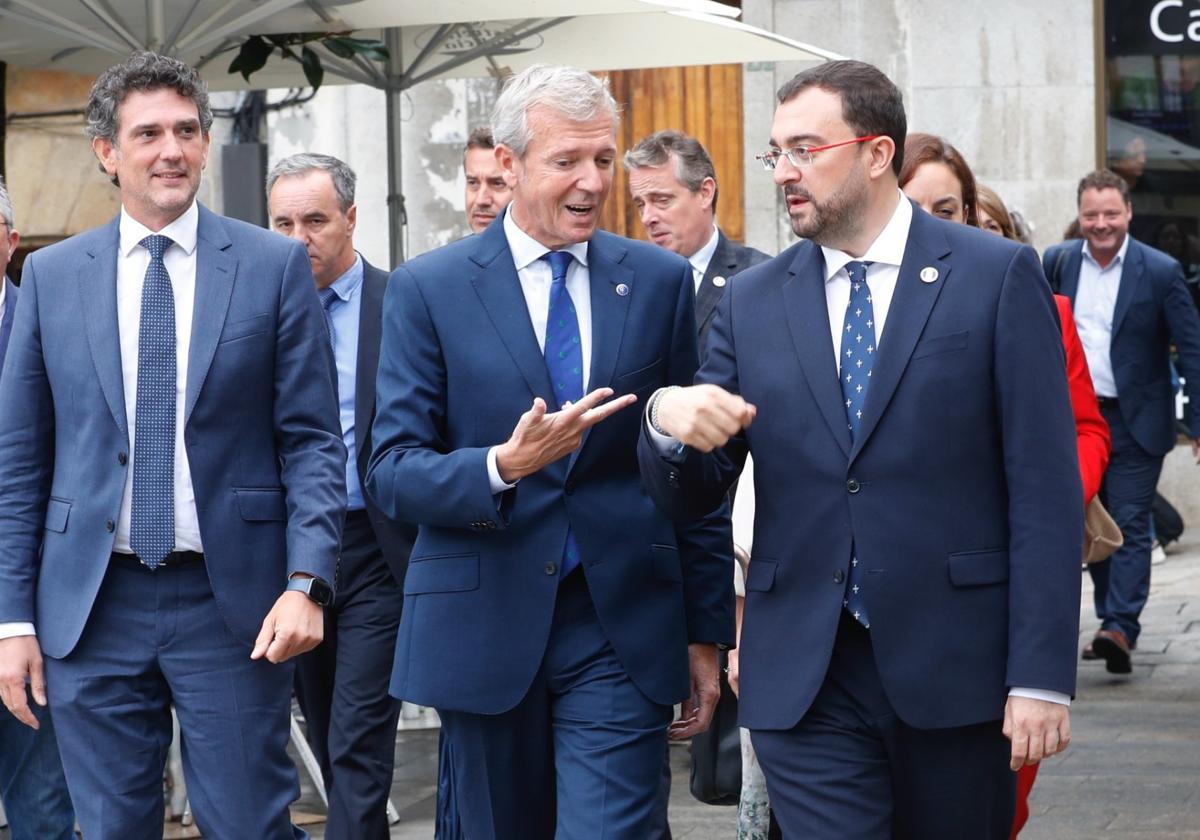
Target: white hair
[[575, 94], [6, 208]]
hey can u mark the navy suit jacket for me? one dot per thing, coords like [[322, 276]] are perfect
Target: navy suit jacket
[[1153, 309], [395, 538], [460, 365], [727, 260], [960, 492], [261, 428]]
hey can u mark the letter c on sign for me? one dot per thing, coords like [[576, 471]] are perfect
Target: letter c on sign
[[1156, 26]]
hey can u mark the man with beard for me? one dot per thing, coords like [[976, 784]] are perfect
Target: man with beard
[[914, 594], [488, 189]]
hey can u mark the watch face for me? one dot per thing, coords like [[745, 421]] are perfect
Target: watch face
[[320, 592]]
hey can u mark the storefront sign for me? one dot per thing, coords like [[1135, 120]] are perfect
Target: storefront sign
[[1152, 27]]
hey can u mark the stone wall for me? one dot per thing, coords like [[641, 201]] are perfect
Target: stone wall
[[1012, 85]]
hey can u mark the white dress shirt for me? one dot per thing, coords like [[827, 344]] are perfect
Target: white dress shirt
[[536, 278], [703, 257], [885, 254], [132, 262], [3, 293], [1095, 303]]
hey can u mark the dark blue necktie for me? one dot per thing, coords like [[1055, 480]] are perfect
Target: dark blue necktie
[[328, 298], [564, 362], [152, 513], [857, 358]]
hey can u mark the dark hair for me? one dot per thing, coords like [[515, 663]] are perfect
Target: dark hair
[[922, 148], [692, 162], [481, 138], [142, 71], [871, 103], [1102, 179]]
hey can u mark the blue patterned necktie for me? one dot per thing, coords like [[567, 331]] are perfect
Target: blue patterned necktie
[[564, 362], [328, 298], [857, 358], [152, 513]]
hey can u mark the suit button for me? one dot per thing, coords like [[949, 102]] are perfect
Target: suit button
[[569, 487], [839, 576], [110, 526], [122, 458], [852, 485], [551, 569]]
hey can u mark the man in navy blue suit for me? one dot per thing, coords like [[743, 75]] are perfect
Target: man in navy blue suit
[[1130, 303], [552, 615], [342, 685], [900, 381], [32, 785], [172, 482]]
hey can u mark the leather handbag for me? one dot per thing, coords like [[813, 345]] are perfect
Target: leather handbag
[[1101, 536], [717, 753]]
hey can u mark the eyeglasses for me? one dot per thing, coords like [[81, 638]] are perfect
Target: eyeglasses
[[803, 155]]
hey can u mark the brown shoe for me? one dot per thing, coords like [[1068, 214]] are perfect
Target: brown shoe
[[1113, 648]]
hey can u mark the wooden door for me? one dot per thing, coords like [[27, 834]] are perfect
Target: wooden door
[[705, 102]]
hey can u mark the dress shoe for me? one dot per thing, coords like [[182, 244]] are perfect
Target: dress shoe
[[1089, 653], [1113, 648]]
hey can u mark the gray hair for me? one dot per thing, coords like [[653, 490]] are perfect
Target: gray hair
[[576, 94], [6, 208], [142, 71], [692, 163], [343, 176]]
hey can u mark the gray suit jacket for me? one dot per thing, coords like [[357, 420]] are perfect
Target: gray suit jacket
[[727, 260]]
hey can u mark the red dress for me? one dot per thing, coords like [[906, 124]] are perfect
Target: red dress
[[1094, 442]]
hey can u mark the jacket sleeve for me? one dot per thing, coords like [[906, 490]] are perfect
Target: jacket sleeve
[[1183, 322], [1091, 431]]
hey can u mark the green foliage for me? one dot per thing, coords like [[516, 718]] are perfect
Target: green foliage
[[257, 50]]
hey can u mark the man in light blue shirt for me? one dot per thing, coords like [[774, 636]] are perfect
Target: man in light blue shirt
[[343, 685]]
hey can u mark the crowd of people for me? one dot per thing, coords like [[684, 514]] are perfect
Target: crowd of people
[[509, 481]]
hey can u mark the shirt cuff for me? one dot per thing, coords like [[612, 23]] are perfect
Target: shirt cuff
[[10, 629], [497, 483], [1041, 694]]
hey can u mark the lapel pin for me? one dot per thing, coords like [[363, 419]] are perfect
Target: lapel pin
[[719, 281], [929, 274], [622, 289]]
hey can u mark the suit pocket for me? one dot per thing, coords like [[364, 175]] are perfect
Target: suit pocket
[[666, 563], [57, 513], [442, 573], [978, 568], [761, 575], [941, 344], [264, 504], [628, 383], [245, 328]]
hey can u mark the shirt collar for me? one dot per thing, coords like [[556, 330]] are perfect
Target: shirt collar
[[888, 247], [703, 257], [182, 231], [3, 290], [526, 250], [346, 285], [1117, 260]]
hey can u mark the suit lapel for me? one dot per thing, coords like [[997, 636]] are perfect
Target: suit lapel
[[370, 331], [1070, 278], [215, 272], [1131, 277], [911, 304], [708, 295], [98, 299], [499, 291], [808, 320]]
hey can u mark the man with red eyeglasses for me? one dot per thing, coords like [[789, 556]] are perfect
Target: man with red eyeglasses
[[912, 604]]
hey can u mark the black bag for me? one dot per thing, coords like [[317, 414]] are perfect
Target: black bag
[[717, 753], [1168, 524]]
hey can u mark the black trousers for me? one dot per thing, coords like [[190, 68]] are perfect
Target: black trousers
[[342, 687]]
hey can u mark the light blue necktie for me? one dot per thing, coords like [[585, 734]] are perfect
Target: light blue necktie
[[152, 513], [857, 358], [564, 362], [328, 298]]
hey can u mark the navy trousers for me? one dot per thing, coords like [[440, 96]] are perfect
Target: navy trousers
[[579, 758], [852, 770], [342, 686], [156, 639], [32, 784], [1121, 584]]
